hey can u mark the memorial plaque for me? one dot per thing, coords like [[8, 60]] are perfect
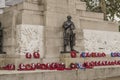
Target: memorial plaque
[[29, 39], [2, 3]]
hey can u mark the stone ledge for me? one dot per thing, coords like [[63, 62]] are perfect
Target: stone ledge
[[24, 72], [67, 55], [99, 67], [9, 56], [25, 5]]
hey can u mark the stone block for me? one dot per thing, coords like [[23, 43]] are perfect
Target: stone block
[[8, 42], [113, 78], [20, 6], [82, 75], [30, 6], [2, 77], [50, 76], [9, 61], [54, 42], [7, 33], [19, 18], [100, 73], [9, 49], [81, 6], [32, 19], [95, 25], [50, 59], [51, 2], [11, 77], [39, 76], [113, 72], [54, 33], [66, 75], [33, 1], [54, 19], [32, 12], [90, 74], [53, 22], [9, 9], [21, 76], [7, 19], [92, 15], [52, 51], [62, 4], [79, 42], [33, 77]]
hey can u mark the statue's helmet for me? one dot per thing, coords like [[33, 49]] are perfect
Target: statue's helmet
[[69, 17]]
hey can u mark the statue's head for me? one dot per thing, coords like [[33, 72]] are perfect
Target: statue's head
[[69, 17]]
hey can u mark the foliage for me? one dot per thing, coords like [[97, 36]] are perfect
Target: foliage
[[110, 8]]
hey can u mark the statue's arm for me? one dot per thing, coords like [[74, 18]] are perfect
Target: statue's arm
[[65, 26], [73, 25]]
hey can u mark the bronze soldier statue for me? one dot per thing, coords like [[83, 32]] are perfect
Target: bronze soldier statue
[[69, 35], [1, 39]]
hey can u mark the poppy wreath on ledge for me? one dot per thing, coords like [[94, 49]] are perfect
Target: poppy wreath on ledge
[[73, 54], [36, 55], [73, 66], [28, 55], [21, 67], [92, 54], [9, 67], [115, 54]]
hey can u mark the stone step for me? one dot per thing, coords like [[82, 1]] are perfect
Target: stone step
[[111, 73]]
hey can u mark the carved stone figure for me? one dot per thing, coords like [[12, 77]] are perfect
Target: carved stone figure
[[69, 35]]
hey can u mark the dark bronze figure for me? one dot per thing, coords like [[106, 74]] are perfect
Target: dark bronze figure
[[1, 37], [69, 35]]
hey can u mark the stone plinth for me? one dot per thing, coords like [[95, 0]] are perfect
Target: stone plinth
[[89, 74]]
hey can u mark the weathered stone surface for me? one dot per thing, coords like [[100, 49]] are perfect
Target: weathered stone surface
[[80, 5], [92, 15], [104, 41], [29, 39], [49, 59], [31, 19], [66, 75], [96, 25]]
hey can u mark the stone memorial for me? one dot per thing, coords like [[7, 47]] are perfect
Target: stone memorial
[[33, 35]]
